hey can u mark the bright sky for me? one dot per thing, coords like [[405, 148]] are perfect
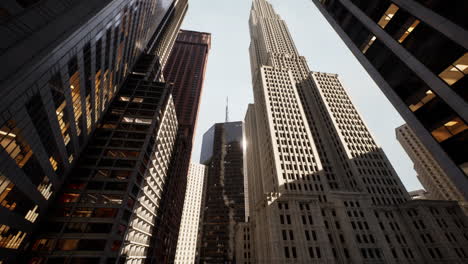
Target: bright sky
[[228, 71]]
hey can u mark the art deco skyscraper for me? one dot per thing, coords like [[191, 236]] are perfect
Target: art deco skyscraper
[[320, 189], [63, 62], [185, 71], [224, 204], [430, 174], [416, 52]]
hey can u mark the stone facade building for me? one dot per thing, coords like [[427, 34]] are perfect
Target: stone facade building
[[434, 179], [320, 189], [188, 234]]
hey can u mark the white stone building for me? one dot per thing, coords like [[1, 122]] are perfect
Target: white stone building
[[430, 174], [320, 189], [187, 241]]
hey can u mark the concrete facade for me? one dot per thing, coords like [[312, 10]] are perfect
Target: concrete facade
[[243, 249], [187, 241], [430, 174], [320, 189]]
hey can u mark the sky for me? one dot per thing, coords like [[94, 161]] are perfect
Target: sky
[[228, 70]]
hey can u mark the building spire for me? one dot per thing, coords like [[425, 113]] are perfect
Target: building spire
[[227, 109]]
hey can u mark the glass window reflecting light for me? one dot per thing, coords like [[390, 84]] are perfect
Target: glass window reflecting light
[[408, 31], [449, 129], [10, 237], [456, 71], [385, 19]]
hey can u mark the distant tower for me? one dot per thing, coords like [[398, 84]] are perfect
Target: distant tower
[[227, 110], [224, 203], [185, 69], [187, 241]]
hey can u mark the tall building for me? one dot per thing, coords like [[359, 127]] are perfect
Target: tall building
[[66, 62], [243, 248], [187, 241], [185, 71], [224, 204], [430, 174], [320, 189], [107, 210], [416, 52]]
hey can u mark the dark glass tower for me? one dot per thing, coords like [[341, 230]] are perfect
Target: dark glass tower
[[66, 62], [185, 71], [107, 210], [416, 52], [224, 203]]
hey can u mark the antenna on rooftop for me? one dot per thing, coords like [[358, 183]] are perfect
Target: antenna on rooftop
[[227, 109]]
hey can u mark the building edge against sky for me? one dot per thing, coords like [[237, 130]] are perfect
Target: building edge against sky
[[436, 182], [416, 52], [320, 189], [185, 72], [56, 88]]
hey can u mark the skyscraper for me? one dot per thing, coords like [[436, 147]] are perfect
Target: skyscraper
[[187, 241], [430, 174], [185, 71], [416, 52], [320, 189], [224, 205], [107, 210], [64, 62]]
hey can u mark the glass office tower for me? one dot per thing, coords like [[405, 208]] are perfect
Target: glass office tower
[[224, 203], [63, 62], [416, 52]]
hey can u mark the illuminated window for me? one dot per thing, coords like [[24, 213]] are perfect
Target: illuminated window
[[32, 215], [456, 71], [76, 99], [43, 244], [88, 114], [69, 197], [428, 97], [127, 99], [449, 129], [64, 125], [53, 162], [408, 31], [388, 15], [14, 145], [10, 237], [45, 188], [145, 121], [105, 91], [371, 41], [61, 110]]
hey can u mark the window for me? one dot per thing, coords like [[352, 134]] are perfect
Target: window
[[409, 30], [457, 70], [388, 15], [10, 237]]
